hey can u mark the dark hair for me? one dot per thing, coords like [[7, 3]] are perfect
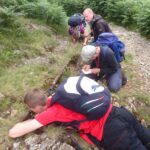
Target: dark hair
[[35, 97]]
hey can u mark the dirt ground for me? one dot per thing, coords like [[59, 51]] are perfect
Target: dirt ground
[[139, 48]]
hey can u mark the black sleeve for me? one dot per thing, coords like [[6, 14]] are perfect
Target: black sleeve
[[110, 63], [100, 27]]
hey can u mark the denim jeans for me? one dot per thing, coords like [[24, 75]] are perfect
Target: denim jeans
[[114, 81]]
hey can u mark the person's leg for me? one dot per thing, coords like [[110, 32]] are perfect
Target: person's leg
[[142, 132], [124, 78], [114, 82], [120, 135]]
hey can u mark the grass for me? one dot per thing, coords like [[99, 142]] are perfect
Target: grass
[[133, 90], [16, 76], [128, 59], [28, 45], [14, 81]]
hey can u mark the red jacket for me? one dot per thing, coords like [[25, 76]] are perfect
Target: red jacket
[[61, 114]]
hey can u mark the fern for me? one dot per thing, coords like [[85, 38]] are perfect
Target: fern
[[50, 13], [143, 20], [8, 18], [72, 6]]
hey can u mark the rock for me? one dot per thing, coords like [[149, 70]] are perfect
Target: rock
[[32, 140], [16, 146], [65, 146], [56, 146], [47, 144], [42, 142]]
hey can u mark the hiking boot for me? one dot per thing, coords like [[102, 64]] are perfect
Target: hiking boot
[[124, 78]]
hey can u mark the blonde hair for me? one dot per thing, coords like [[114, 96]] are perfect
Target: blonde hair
[[35, 97], [88, 10]]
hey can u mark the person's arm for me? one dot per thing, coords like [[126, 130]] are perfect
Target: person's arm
[[23, 128], [102, 26], [111, 63]]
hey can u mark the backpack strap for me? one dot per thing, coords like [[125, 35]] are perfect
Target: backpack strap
[[81, 28], [78, 86]]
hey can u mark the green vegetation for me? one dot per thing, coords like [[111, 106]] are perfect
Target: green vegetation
[[143, 19], [28, 61], [134, 14], [34, 48]]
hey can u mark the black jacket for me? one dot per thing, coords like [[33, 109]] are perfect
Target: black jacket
[[99, 26], [107, 62]]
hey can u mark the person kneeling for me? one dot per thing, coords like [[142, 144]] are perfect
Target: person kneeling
[[102, 64]]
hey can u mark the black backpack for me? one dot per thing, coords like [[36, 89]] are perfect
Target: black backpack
[[76, 20], [93, 101]]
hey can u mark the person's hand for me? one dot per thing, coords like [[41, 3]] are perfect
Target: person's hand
[[95, 70], [84, 44], [86, 67]]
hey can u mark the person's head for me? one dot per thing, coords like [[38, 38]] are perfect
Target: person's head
[[36, 100], [89, 53], [88, 14]]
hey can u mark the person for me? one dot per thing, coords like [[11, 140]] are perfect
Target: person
[[118, 129], [79, 29], [98, 24], [103, 65]]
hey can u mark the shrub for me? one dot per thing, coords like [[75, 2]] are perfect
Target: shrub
[[50, 13], [8, 18], [98, 6], [72, 6], [143, 19], [8, 3], [122, 12]]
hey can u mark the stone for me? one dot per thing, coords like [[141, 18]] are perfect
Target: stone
[[16, 146], [32, 140], [65, 146]]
